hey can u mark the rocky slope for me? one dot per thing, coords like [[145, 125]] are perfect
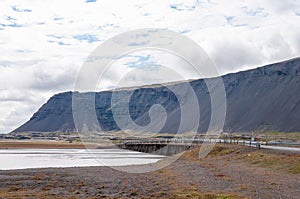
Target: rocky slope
[[264, 97]]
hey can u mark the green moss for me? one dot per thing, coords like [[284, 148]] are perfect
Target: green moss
[[225, 197], [295, 169], [196, 194]]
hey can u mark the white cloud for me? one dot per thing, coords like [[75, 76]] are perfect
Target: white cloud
[[44, 43]]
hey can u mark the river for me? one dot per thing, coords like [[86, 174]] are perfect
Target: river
[[44, 158]]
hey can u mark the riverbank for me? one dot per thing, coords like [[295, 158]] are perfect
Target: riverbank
[[43, 145], [229, 171]]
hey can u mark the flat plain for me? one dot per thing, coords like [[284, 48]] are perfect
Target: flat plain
[[229, 171]]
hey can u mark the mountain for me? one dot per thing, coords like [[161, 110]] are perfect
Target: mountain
[[265, 97]]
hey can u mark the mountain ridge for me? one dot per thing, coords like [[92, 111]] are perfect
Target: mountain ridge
[[265, 95]]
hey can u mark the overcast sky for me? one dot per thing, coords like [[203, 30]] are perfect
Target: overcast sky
[[44, 43]]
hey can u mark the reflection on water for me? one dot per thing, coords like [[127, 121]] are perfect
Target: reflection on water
[[43, 158]]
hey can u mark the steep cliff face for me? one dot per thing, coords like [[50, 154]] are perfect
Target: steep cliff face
[[264, 96], [55, 115]]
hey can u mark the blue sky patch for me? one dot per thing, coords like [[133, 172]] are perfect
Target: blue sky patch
[[142, 35], [90, 1], [58, 18], [173, 7], [253, 12], [185, 31], [55, 36], [86, 37], [229, 19], [61, 43], [40, 23], [14, 25], [9, 18], [138, 44], [20, 10], [142, 62], [181, 7], [109, 25]]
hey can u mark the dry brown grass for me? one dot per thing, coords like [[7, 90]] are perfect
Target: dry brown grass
[[275, 160]]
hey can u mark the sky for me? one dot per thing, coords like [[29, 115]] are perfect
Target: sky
[[43, 44]]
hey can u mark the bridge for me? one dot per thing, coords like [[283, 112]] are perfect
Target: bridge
[[159, 148], [169, 147]]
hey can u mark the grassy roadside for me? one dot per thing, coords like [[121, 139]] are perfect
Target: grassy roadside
[[278, 161]]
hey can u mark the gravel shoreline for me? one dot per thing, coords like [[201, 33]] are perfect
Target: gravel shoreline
[[226, 173], [43, 145]]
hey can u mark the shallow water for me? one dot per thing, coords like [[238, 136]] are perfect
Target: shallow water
[[45, 158]]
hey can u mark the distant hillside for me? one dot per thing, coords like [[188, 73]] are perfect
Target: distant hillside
[[267, 96]]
